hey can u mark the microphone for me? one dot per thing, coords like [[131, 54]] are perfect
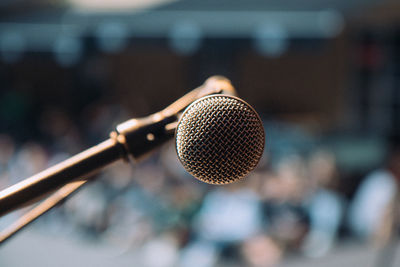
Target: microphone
[[219, 139]]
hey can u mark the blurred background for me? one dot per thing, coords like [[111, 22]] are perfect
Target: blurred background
[[324, 76]]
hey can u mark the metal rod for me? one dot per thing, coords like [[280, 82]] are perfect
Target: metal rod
[[79, 166]]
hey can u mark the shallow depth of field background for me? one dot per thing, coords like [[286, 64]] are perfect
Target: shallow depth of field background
[[323, 75]]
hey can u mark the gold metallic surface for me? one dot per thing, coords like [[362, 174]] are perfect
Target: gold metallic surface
[[219, 139]]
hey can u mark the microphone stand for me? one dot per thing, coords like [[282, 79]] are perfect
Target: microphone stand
[[136, 137], [47, 204], [78, 166], [64, 175]]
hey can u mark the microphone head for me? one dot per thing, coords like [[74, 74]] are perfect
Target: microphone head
[[219, 139]]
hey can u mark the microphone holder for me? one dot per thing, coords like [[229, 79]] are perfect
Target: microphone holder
[[135, 137]]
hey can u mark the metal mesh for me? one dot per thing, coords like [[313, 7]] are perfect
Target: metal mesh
[[219, 139]]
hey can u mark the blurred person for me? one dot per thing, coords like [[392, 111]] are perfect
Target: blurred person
[[7, 156], [150, 177], [324, 205], [59, 131], [176, 199], [87, 210], [372, 210], [171, 165], [228, 216], [183, 192], [145, 196], [161, 251], [100, 118], [129, 226], [119, 188], [30, 159], [290, 172], [117, 178], [283, 194], [261, 251], [7, 150]]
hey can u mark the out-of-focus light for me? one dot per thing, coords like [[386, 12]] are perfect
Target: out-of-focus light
[[166, 250], [185, 38], [123, 5], [271, 40], [331, 22], [12, 46], [67, 50], [112, 36]]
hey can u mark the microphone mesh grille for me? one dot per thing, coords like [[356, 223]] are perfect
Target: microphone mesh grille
[[219, 139]]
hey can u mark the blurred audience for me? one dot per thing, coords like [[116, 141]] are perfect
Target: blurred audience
[[325, 206], [375, 205], [289, 204]]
